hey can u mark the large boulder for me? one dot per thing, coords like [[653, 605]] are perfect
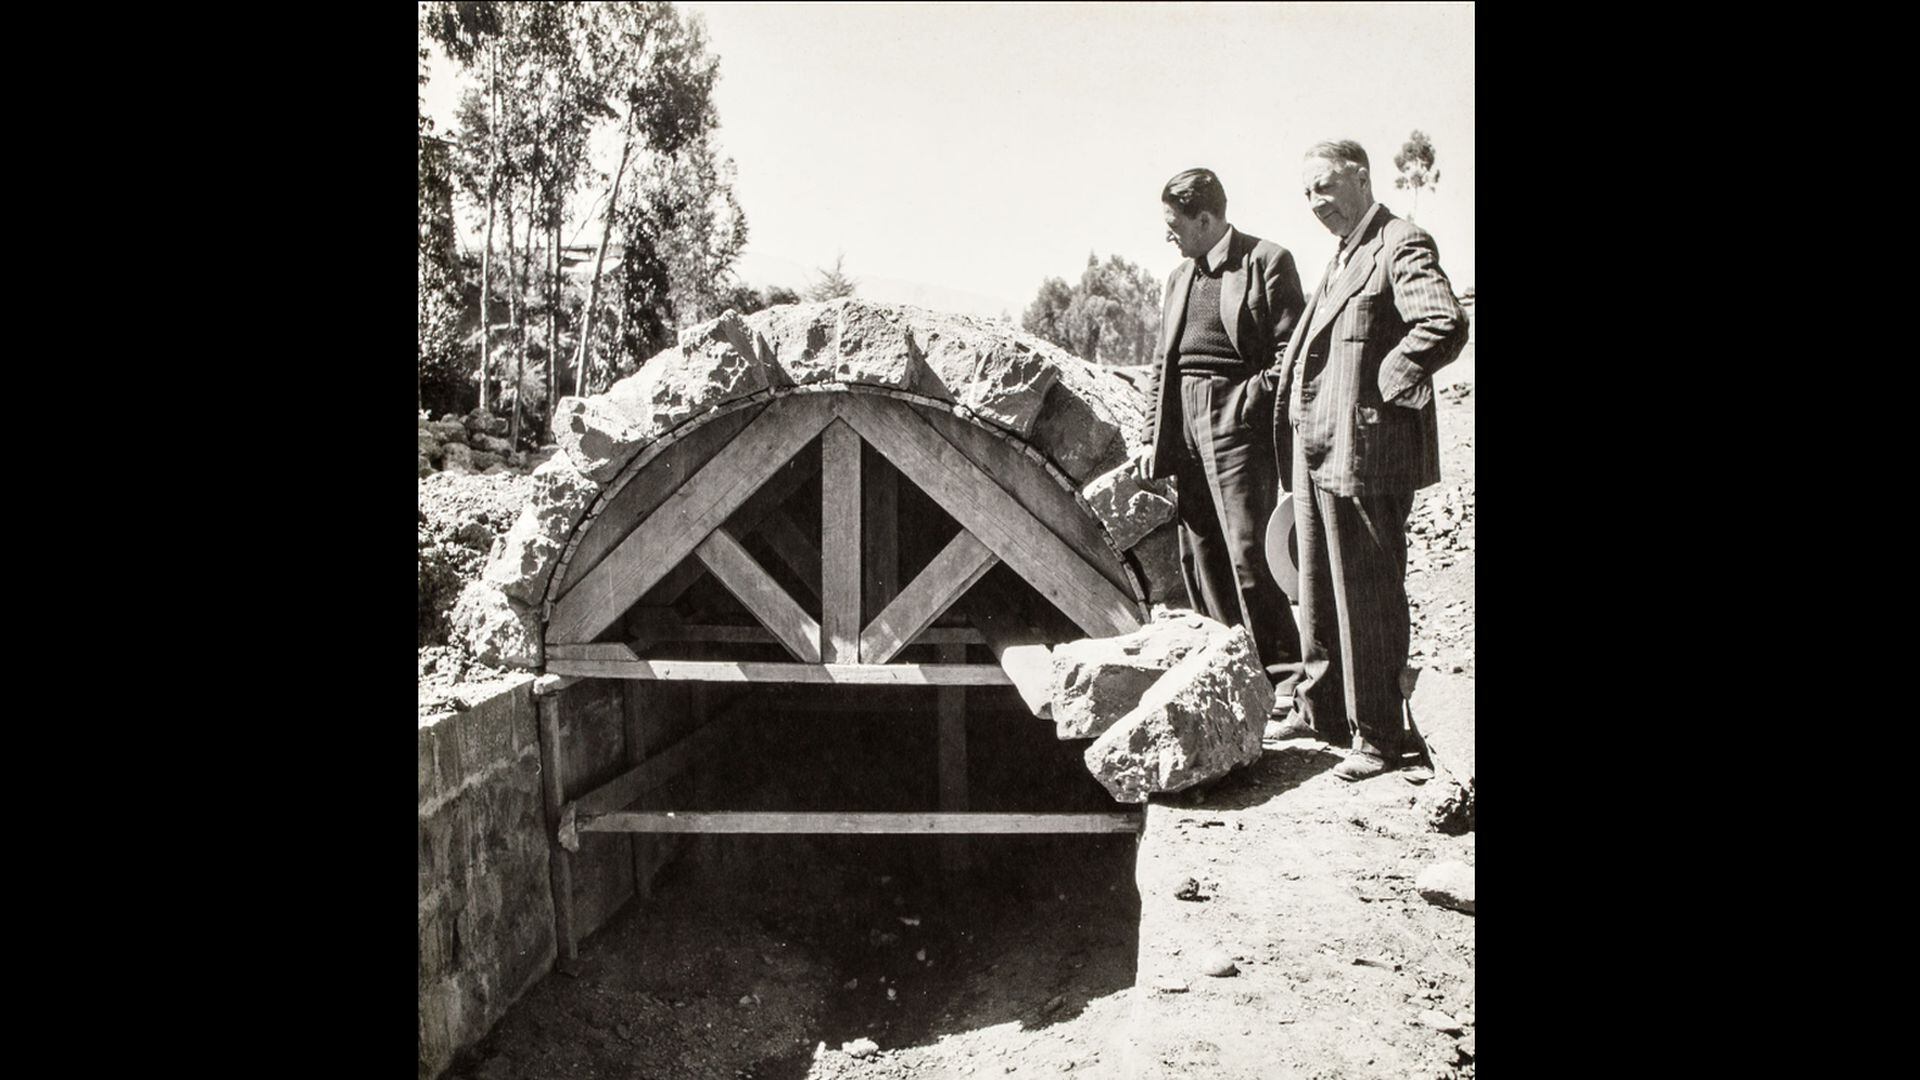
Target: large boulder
[[799, 344], [597, 436], [497, 631], [1158, 559], [877, 347], [482, 422], [448, 430], [527, 555], [1197, 722], [715, 362], [1128, 506], [458, 457], [1096, 681], [1000, 375]]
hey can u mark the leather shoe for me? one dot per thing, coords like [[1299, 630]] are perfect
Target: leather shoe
[[1291, 726], [1362, 766]]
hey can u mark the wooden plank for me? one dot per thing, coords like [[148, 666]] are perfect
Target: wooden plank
[[1032, 487], [597, 650], [754, 671], [725, 821], [649, 633], [840, 544], [618, 793], [951, 573], [553, 787], [649, 486], [985, 509], [794, 547], [951, 706], [694, 511], [750, 584], [1021, 651], [880, 562]]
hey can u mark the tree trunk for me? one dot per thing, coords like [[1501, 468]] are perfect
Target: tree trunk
[[606, 235], [520, 361], [553, 320], [486, 253]]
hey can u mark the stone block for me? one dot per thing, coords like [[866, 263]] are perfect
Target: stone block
[[1096, 681], [1000, 376], [717, 364], [1078, 432], [1157, 558], [597, 436], [459, 458], [520, 567], [1129, 508], [799, 343], [877, 347], [1200, 720], [498, 631]]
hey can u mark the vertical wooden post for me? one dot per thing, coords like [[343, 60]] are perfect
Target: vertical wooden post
[[559, 859], [952, 709], [839, 544], [881, 547]]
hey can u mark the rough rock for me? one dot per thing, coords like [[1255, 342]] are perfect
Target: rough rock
[[1157, 558], [597, 435], [482, 460], [1196, 722], [452, 431], [458, 457], [1448, 884], [1096, 681], [1090, 418], [862, 1047], [1001, 375], [1129, 507], [532, 548], [482, 422], [426, 466], [498, 631], [493, 444], [877, 346], [1440, 1021], [709, 370], [1218, 963], [433, 448], [798, 343]]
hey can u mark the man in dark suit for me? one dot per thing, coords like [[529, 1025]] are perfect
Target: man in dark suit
[[1223, 333], [1357, 388]]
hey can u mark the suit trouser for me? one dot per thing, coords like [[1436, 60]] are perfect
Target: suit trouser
[[1227, 492], [1353, 612]]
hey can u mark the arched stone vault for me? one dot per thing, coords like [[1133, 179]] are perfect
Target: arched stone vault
[[1029, 425]]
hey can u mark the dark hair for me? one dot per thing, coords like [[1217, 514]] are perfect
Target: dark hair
[[1195, 192], [1343, 150]]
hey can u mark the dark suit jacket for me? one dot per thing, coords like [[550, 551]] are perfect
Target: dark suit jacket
[[1259, 303], [1388, 322]]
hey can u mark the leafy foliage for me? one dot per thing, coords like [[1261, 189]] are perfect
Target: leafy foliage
[[1110, 316], [1415, 162], [833, 284]]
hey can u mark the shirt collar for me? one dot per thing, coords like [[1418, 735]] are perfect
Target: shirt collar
[[1348, 240], [1218, 256]]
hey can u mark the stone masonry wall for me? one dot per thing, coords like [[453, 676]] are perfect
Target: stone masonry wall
[[485, 901]]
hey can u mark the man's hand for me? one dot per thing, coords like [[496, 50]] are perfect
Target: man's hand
[[1415, 396], [1140, 457]]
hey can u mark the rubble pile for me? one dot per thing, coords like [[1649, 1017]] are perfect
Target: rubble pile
[[474, 443]]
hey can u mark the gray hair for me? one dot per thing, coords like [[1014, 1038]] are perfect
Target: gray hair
[[1344, 151]]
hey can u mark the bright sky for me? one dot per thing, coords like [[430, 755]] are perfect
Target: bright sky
[[982, 148]]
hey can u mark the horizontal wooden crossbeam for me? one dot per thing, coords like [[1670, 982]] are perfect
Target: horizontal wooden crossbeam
[[718, 821], [749, 671]]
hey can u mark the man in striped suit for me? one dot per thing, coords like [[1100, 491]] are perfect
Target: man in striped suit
[[1358, 392], [1223, 331]]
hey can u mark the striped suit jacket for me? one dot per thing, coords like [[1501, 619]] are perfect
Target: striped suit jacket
[[1260, 302], [1386, 323]]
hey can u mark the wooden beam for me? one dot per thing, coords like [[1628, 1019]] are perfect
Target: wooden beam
[[794, 547], [723, 821], [553, 792], [880, 561], [650, 486], [945, 579], [750, 584], [985, 509], [648, 632], [840, 545], [1021, 651], [595, 650], [951, 704], [675, 585], [1030, 485], [753, 671], [622, 790], [696, 509]]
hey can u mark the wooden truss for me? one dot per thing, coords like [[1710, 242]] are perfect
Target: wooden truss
[[687, 508]]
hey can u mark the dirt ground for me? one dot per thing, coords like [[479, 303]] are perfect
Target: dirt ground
[[1027, 965]]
